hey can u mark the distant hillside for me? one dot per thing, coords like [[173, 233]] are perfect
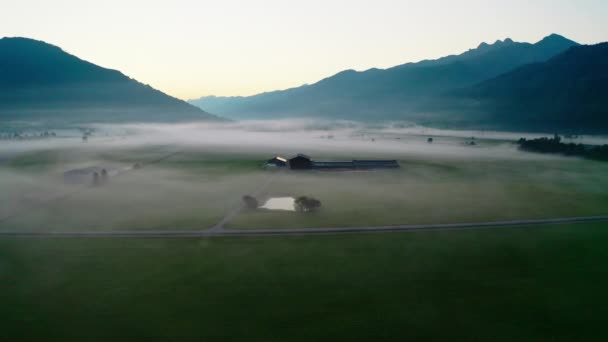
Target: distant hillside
[[41, 82], [568, 92], [395, 93]]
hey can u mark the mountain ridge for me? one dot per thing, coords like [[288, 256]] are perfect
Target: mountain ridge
[[567, 92], [43, 82], [395, 92]]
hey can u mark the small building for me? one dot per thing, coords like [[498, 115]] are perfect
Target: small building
[[300, 162], [89, 175], [82, 176], [277, 162]]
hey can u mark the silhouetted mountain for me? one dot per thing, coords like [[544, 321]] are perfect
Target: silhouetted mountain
[[395, 93], [39, 81], [567, 93]]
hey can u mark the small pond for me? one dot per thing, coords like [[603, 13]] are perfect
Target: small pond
[[280, 203]]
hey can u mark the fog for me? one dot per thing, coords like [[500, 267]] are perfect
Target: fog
[[194, 174], [350, 139]]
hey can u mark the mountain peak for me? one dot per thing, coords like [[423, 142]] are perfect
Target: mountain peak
[[497, 43], [23, 41], [556, 39]]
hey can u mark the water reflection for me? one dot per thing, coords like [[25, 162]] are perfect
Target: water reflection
[[280, 203]]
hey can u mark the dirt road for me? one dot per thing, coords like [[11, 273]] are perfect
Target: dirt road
[[306, 231]]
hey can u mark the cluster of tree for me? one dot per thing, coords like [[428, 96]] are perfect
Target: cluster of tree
[[27, 136], [305, 204], [86, 133], [555, 145], [100, 178], [251, 202]]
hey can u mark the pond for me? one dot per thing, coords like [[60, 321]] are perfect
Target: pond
[[280, 203]]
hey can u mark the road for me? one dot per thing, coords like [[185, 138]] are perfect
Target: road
[[305, 231]]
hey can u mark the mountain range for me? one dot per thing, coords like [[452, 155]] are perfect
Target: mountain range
[[567, 92], [552, 85], [41, 82], [485, 87]]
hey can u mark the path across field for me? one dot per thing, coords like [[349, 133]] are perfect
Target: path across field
[[305, 231]]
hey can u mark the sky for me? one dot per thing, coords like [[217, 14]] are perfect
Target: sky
[[193, 48]]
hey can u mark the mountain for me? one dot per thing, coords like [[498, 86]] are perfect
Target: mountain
[[39, 81], [395, 93], [568, 92]]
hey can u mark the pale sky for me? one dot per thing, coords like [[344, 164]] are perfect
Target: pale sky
[[190, 48]]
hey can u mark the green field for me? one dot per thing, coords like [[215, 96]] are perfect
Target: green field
[[533, 284]]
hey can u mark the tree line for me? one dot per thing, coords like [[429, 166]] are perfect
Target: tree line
[[26, 136], [556, 146]]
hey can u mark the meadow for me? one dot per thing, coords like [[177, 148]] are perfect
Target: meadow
[[535, 283]]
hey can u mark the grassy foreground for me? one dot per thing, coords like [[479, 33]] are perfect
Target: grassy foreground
[[545, 283]]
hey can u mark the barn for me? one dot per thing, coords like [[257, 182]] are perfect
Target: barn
[[88, 175], [304, 162], [375, 164], [300, 162], [277, 162], [333, 165], [82, 176]]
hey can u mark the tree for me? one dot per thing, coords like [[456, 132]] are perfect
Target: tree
[[307, 204], [104, 176], [96, 178], [250, 202]]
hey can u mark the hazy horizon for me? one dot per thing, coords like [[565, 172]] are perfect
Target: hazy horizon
[[191, 49]]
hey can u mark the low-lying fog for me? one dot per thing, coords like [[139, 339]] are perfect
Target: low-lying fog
[[222, 162], [289, 136]]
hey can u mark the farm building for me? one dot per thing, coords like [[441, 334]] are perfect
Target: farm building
[[300, 162], [277, 162], [88, 175], [333, 165], [304, 162], [375, 164]]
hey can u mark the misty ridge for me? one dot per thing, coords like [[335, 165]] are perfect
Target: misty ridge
[[553, 85]]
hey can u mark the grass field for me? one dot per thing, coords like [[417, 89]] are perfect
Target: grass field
[[533, 284]]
